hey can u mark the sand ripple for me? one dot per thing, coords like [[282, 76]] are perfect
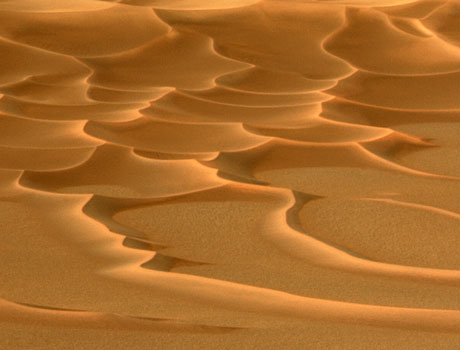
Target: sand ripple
[[251, 174]]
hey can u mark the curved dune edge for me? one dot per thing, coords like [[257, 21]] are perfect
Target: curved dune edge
[[235, 173]]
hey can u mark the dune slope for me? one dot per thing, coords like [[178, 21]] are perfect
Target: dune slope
[[229, 174]]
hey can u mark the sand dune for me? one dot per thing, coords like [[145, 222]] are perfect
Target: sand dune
[[235, 174], [369, 41]]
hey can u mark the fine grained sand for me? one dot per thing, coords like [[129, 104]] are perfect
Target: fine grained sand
[[230, 174]]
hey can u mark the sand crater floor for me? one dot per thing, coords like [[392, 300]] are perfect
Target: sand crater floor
[[229, 174]]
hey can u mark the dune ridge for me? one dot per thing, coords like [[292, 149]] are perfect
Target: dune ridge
[[251, 174]]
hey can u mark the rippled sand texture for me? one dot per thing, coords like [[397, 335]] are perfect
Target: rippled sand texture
[[230, 174]]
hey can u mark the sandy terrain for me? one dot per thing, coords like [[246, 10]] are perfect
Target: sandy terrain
[[229, 174]]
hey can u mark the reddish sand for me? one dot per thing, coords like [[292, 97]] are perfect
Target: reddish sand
[[229, 174]]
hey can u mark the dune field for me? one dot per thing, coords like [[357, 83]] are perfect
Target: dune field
[[229, 174]]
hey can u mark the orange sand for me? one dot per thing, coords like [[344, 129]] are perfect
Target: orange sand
[[229, 174]]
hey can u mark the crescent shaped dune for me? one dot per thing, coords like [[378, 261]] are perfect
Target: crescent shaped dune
[[229, 174]]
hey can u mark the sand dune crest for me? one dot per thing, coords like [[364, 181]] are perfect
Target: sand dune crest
[[251, 174]]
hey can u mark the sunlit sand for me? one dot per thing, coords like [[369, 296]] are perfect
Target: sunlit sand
[[229, 174]]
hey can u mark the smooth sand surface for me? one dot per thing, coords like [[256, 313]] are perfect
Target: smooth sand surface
[[229, 174]]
